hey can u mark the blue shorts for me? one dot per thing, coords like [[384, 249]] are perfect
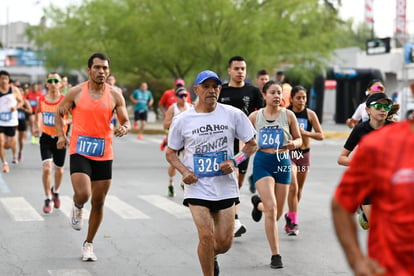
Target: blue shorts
[[277, 166]]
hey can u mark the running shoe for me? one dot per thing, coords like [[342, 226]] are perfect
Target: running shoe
[[5, 168], [20, 157], [239, 228], [216, 267], [35, 140], [171, 191], [252, 185], [48, 207], [15, 160], [76, 218], [276, 261], [288, 225], [87, 252], [256, 213], [362, 219], [140, 137], [294, 231], [55, 198]]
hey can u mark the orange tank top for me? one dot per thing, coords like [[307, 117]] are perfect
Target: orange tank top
[[91, 129], [48, 110]]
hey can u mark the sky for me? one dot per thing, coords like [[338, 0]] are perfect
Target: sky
[[384, 12]]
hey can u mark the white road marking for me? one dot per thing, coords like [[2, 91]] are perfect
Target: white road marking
[[123, 209], [171, 207], [3, 185], [69, 272], [19, 209]]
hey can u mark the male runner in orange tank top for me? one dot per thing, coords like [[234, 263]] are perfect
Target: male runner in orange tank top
[[92, 104]]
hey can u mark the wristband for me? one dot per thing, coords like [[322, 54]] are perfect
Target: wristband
[[239, 158]]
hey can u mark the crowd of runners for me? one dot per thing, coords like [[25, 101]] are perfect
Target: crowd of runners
[[208, 141]]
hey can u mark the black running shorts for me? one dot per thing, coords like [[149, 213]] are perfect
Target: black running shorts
[[213, 206], [49, 150], [97, 170]]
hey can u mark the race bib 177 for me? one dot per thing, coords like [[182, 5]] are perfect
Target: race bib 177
[[90, 146]]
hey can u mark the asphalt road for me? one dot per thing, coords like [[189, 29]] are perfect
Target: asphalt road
[[146, 233]]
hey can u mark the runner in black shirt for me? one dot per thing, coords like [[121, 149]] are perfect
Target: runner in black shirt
[[300, 157], [247, 98], [378, 106]]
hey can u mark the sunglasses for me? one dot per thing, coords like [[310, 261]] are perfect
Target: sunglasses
[[52, 80], [182, 96], [379, 106], [377, 88]]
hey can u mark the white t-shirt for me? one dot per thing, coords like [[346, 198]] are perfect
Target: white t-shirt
[[178, 111], [7, 117], [360, 113], [208, 140]]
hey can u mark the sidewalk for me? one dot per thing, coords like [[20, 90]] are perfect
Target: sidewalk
[[334, 130], [330, 128]]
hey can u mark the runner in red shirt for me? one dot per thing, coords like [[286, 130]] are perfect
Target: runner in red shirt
[[33, 97], [382, 168], [167, 99]]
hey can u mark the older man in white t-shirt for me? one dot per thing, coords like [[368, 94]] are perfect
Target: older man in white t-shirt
[[207, 133]]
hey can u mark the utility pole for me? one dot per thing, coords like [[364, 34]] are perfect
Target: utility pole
[[6, 28], [402, 37], [369, 15]]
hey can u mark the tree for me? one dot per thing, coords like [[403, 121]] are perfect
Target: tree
[[162, 39]]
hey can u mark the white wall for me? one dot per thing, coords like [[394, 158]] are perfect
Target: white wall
[[392, 62]]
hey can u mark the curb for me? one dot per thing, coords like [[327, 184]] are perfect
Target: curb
[[336, 134], [149, 131]]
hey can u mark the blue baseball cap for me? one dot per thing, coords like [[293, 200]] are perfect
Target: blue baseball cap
[[205, 75]]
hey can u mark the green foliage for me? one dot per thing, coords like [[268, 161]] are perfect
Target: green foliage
[[350, 35], [155, 40]]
